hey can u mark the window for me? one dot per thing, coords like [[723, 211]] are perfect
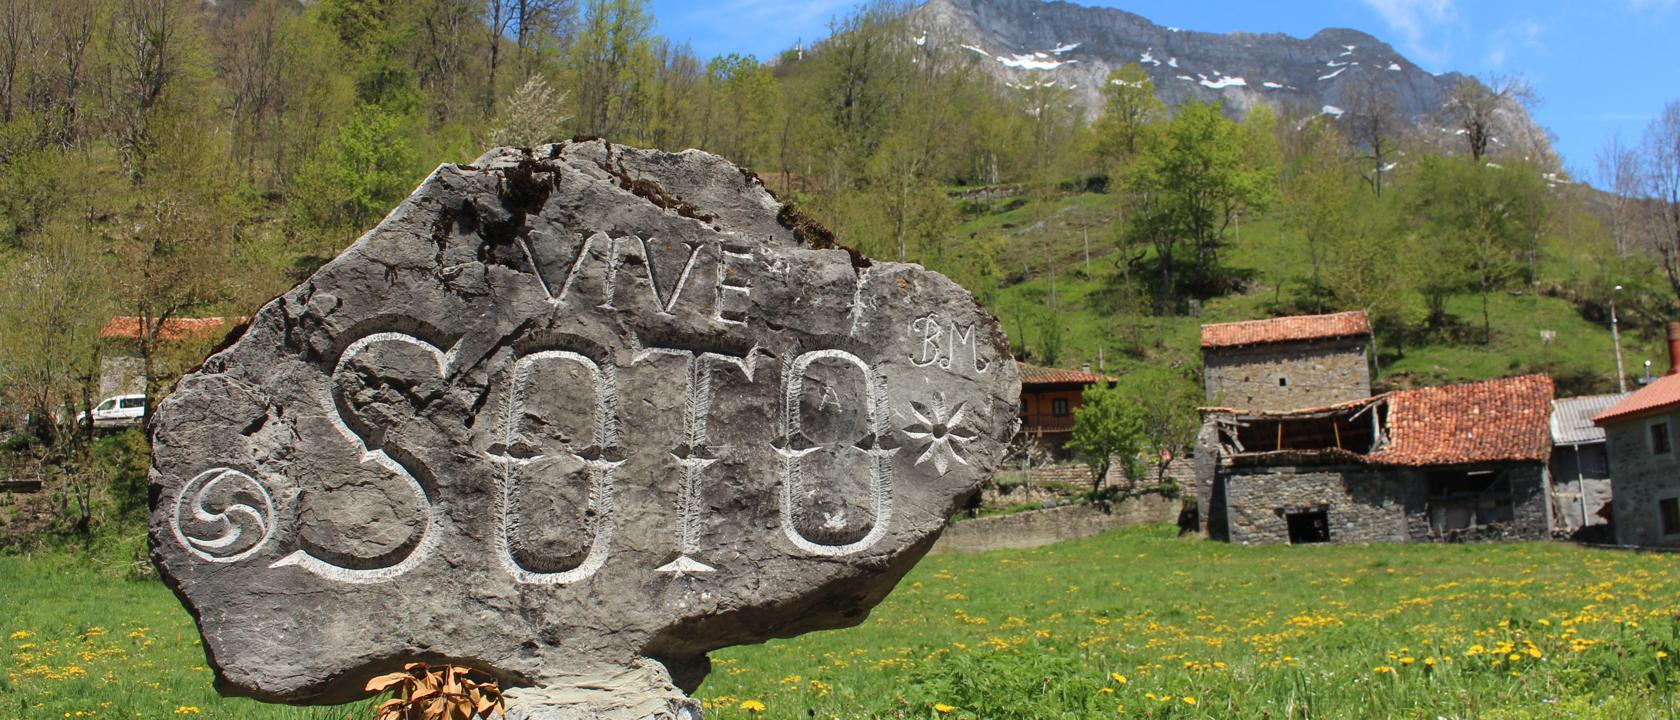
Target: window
[[131, 402], [1659, 439], [1059, 407], [1283, 382], [1668, 510], [107, 405]]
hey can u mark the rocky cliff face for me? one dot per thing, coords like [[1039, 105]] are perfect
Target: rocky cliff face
[[1028, 42]]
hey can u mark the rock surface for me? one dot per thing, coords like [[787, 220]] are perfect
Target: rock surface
[[1027, 43], [573, 416]]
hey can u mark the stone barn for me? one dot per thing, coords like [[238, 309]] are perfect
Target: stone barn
[[1435, 464], [1640, 433], [1286, 363]]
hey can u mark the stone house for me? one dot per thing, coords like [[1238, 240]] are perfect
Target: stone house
[[1286, 363], [121, 370], [1048, 398], [1640, 432], [1580, 464], [1435, 464]]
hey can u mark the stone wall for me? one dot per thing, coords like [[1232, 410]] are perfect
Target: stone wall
[[1037, 528], [1642, 480], [1287, 376], [1367, 504]]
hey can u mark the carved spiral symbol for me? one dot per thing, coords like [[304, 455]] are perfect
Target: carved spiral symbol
[[231, 515]]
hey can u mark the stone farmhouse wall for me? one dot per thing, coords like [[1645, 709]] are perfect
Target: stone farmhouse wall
[[1366, 504], [1044, 527], [1279, 377], [1642, 480]]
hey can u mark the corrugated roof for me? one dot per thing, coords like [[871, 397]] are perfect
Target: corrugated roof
[[1035, 375], [1490, 421], [1285, 329], [1572, 418], [128, 327], [1662, 395]]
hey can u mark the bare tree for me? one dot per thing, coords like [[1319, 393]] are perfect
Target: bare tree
[[1662, 185], [1478, 108], [146, 35], [1374, 126], [1618, 176]]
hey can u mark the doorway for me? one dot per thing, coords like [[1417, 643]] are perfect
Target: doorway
[[1309, 527]]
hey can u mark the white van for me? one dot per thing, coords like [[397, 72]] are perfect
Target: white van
[[117, 412]]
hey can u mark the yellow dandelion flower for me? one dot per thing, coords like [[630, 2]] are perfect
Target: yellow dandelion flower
[[1381, 669], [1407, 660], [752, 706], [1188, 700], [1105, 691], [1117, 678], [943, 709], [1661, 654], [187, 710], [19, 634]]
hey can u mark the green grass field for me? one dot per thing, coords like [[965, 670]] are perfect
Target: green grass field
[[1137, 623]]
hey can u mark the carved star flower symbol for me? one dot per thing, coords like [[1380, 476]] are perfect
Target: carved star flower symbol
[[942, 428]]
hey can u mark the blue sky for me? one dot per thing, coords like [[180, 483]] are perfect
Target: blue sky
[[1600, 67]]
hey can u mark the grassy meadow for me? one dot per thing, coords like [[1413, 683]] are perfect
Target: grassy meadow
[[1136, 623]]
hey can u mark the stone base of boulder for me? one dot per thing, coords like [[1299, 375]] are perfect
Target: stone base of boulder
[[641, 692]]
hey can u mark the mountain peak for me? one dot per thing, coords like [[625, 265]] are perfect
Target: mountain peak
[[1040, 42]]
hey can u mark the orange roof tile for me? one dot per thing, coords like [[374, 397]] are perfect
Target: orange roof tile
[[1285, 329], [1661, 395], [1035, 375], [1490, 421], [128, 327]]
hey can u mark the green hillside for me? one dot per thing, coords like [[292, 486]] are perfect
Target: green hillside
[[1041, 258]]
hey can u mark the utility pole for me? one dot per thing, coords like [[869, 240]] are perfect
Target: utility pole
[[1087, 232], [1616, 339]]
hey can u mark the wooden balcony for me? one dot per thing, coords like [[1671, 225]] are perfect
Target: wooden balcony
[[1039, 424]]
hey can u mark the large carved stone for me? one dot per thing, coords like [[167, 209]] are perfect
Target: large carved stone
[[574, 416]]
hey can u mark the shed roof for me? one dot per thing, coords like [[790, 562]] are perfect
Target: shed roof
[[1489, 421], [1572, 418], [127, 327], [1285, 329], [1662, 395]]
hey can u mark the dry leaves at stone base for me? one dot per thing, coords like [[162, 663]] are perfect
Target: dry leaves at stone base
[[422, 692]]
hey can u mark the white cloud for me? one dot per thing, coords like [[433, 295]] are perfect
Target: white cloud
[[1524, 34], [1418, 22]]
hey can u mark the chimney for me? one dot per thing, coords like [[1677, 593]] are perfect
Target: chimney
[[1671, 331], [1673, 348]]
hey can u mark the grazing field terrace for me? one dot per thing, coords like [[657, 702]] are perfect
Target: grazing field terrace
[[1135, 623]]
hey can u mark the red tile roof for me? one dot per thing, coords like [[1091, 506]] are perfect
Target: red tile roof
[[1035, 375], [128, 327], [1490, 421], [1285, 329], [1661, 395]]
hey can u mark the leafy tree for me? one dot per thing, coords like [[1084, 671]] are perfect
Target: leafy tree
[[1130, 110], [168, 264], [367, 167], [1316, 200], [1191, 183], [610, 64], [51, 310], [1477, 218], [1107, 428]]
